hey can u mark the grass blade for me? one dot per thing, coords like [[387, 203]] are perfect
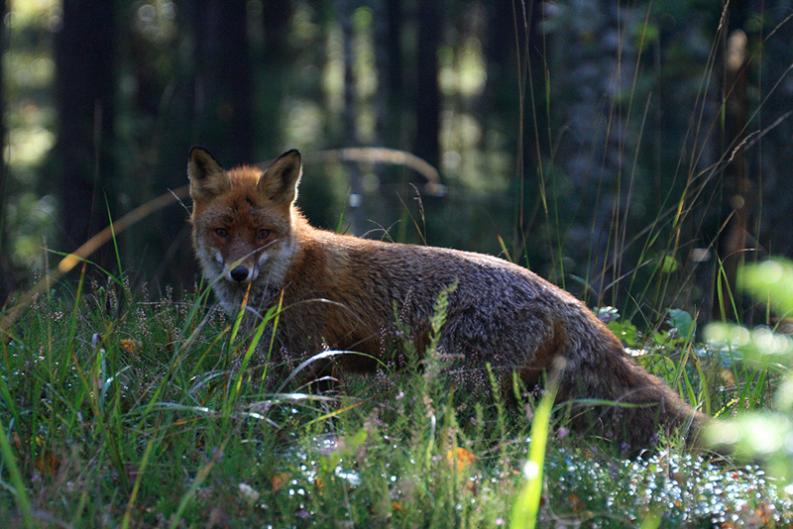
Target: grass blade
[[240, 314], [132, 497], [526, 509], [20, 495], [201, 476]]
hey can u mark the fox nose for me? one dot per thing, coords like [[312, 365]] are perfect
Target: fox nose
[[239, 274]]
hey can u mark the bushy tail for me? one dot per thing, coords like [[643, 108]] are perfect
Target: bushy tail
[[619, 399]]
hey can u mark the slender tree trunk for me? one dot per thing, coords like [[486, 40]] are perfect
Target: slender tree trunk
[[6, 272], [500, 47], [382, 101], [515, 80], [738, 186], [84, 93], [277, 59], [163, 106], [224, 79], [391, 58], [772, 156], [350, 128], [428, 95]]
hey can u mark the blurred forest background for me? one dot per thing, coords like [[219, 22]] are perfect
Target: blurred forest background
[[632, 151]]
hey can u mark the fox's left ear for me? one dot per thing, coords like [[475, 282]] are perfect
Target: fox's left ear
[[207, 177], [279, 181]]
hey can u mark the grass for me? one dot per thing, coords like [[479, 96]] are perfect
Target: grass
[[118, 410]]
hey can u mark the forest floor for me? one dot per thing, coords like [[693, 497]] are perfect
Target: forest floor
[[118, 411]]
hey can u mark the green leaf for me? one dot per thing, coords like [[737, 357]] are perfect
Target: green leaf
[[761, 344], [526, 509], [770, 281], [683, 322], [669, 264], [625, 331], [751, 434]]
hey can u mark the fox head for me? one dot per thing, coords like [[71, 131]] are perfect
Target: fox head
[[242, 218]]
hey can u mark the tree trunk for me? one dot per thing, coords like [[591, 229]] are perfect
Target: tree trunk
[[6, 272], [428, 96], [738, 186], [515, 94], [223, 80], [355, 209], [391, 64], [277, 60], [772, 156], [164, 126], [84, 93]]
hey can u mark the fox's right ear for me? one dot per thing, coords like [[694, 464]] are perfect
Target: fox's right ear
[[207, 177], [279, 181]]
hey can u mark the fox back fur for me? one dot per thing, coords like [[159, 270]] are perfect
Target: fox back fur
[[341, 292]]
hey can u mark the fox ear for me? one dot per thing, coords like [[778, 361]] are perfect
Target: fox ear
[[207, 177], [280, 180]]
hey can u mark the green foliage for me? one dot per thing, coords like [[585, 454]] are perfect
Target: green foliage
[[526, 509], [770, 282], [765, 434], [682, 322], [20, 494], [439, 313], [626, 332], [158, 417]]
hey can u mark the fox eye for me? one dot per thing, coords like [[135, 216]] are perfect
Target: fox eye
[[262, 234], [222, 232]]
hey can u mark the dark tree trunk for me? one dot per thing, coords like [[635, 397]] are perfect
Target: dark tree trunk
[[350, 113], [738, 186], [501, 44], [223, 79], [428, 96], [772, 157], [392, 67], [516, 77], [164, 125], [277, 58], [6, 274], [84, 93]]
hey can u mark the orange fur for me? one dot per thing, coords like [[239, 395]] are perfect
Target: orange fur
[[342, 292]]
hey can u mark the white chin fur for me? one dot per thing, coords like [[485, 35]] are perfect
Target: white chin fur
[[276, 263], [269, 270], [210, 266]]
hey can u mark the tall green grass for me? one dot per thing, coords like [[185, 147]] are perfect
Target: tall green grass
[[123, 410]]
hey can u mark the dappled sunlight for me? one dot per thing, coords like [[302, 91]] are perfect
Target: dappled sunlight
[[463, 71], [28, 146]]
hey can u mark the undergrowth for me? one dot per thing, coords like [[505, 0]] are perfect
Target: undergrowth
[[120, 411]]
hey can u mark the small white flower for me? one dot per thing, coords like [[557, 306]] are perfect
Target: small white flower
[[248, 493]]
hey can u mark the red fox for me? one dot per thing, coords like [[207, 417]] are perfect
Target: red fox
[[344, 292]]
